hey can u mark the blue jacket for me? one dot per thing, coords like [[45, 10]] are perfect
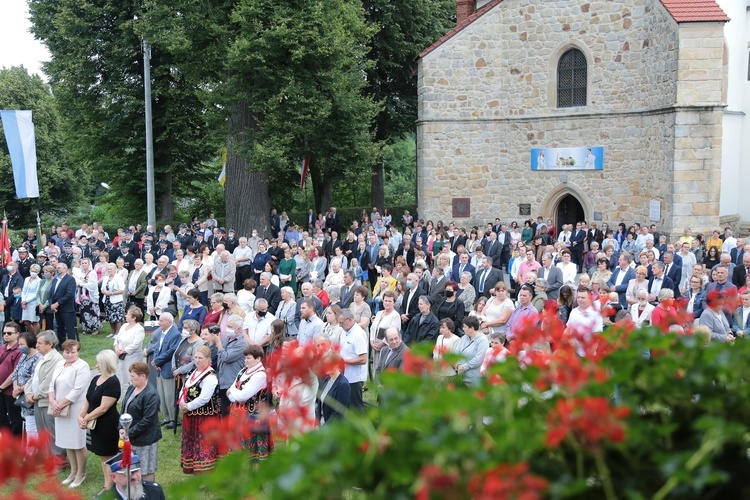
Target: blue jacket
[[623, 287], [699, 304], [163, 355]]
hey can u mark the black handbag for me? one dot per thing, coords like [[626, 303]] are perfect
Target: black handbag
[[21, 401]]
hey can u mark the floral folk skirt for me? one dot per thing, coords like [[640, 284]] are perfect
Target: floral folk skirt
[[198, 455], [259, 445]]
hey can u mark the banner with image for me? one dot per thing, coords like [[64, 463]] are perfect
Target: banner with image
[[584, 158]]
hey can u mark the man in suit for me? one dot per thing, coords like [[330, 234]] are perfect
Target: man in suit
[[167, 338], [333, 221], [462, 266], [740, 273], [672, 271], [267, 290], [553, 274], [658, 281], [459, 240], [503, 238], [595, 234], [223, 273], [577, 243], [10, 281], [275, 222], [62, 303], [486, 278], [738, 252], [406, 250], [493, 249], [741, 323], [437, 285], [621, 277], [409, 307], [347, 289], [393, 355]]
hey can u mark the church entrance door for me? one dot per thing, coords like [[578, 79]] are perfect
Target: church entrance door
[[569, 211]]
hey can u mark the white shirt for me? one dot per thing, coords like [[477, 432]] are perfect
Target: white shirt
[[308, 329], [354, 344], [257, 383], [585, 322], [656, 286], [620, 277], [240, 252], [257, 329]]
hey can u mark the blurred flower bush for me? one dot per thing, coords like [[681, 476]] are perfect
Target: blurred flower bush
[[628, 413]]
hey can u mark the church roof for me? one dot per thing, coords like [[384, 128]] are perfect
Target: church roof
[[682, 11], [476, 15], [691, 11]]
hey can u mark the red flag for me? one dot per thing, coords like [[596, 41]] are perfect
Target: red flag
[[5, 255], [305, 169]]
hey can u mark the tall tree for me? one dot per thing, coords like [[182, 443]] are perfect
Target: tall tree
[[404, 29], [96, 72], [290, 75], [61, 181], [302, 64]]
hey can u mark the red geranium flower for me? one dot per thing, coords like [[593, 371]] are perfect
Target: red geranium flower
[[507, 481], [587, 420]]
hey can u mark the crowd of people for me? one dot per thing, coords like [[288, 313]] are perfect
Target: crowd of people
[[194, 316]]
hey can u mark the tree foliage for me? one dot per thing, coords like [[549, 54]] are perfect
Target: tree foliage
[[403, 30], [61, 180], [96, 71]]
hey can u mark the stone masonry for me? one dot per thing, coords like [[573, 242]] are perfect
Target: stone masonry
[[488, 95]]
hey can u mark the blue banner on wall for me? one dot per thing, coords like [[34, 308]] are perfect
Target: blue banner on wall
[[585, 158]]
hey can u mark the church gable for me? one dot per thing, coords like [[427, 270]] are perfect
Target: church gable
[[502, 62]]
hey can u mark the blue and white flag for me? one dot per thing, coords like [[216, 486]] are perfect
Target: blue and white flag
[[19, 134]]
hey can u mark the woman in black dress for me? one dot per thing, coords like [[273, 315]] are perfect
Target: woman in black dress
[[99, 412]]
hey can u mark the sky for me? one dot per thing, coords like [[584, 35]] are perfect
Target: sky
[[17, 45]]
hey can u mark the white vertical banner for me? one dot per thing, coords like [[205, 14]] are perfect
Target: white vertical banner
[[19, 134]]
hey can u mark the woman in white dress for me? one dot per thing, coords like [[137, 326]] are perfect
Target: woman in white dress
[[568, 268], [385, 319], [30, 300], [129, 345], [113, 286], [66, 397]]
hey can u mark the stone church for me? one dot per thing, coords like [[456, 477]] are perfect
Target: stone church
[[603, 110]]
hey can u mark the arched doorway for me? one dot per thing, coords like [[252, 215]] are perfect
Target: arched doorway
[[569, 211]]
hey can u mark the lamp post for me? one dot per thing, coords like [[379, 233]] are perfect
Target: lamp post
[[150, 196]]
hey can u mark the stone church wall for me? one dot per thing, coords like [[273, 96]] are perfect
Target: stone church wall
[[488, 95]]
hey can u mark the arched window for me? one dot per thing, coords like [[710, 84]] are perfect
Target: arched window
[[572, 77]]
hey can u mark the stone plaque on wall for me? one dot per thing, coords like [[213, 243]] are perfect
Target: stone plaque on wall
[[598, 216], [524, 209], [461, 207]]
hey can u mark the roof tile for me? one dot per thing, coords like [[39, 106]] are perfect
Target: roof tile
[[686, 11]]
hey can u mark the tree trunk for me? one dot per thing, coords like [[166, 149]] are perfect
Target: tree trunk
[[377, 188], [246, 191], [166, 207]]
